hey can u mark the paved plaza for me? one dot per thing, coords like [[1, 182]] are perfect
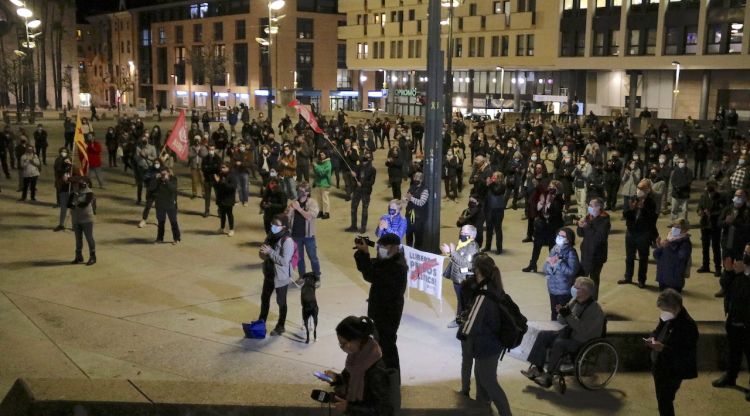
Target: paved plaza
[[164, 312]]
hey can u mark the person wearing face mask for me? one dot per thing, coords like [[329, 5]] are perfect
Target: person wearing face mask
[[450, 175], [673, 257], [416, 211], [225, 183], [30, 167], [322, 183], [110, 141], [302, 213], [276, 252], [94, 153], [594, 229], [242, 161], [151, 174], [459, 266], [273, 202], [82, 214], [287, 169], [565, 175], [583, 320], [64, 186], [387, 275], [612, 182], [514, 176], [547, 220], [736, 284], [681, 180], [143, 158], [60, 167], [640, 220], [560, 269], [739, 176], [266, 163], [364, 179], [473, 215], [395, 171], [631, 176], [495, 204], [581, 174], [195, 153], [392, 222], [734, 222], [710, 207], [163, 189], [41, 143], [673, 349], [210, 166]]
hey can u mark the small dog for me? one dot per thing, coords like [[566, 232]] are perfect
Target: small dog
[[309, 306]]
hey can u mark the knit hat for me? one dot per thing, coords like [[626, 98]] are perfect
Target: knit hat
[[389, 239]]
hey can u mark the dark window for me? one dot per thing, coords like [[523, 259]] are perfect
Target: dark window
[[495, 46], [198, 70], [457, 48], [472, 9], [305, 79], [634, 42], [240, 63], [673, 41], [480, 47], [304, 54], [530, 45], [178, 34], [304, 28], [504, 46], [341, 55], [239, 30], [691, 40], [520, 45], [198, 33], [412, 14], [218, 31], [650, 41], [161, 66]]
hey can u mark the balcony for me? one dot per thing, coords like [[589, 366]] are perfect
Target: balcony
[[410, 28], [473, 24], [522, 21], [351, 32], [392, 29], [350, 6], [495, 22], [391, 3]]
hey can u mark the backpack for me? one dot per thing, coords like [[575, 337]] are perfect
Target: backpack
[[295, 256], [513, 326]]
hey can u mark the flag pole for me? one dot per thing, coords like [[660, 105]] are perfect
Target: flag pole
[[73, 156]]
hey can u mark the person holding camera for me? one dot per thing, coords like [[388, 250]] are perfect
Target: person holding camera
[[226, 188], [479, 335], [82, 214], [736, 284], [276, 253], [387, 277], [363, 387], [164, 190]]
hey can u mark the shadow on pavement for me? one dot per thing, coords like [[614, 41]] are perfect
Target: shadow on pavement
[[129, 240], [16, 265], [577, 398], [25, 227], [204, 232]]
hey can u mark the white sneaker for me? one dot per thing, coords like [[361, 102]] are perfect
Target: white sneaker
[[142, 224], [230, 233]]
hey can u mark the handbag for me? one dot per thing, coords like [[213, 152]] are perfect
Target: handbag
[[255, 329]]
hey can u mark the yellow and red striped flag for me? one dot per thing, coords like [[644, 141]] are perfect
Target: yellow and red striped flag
[[80, 144]]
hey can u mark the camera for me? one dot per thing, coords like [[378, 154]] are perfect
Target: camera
[[322, 396], [363, 239]]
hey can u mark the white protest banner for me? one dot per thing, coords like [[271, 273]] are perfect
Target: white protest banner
[[425, 271]]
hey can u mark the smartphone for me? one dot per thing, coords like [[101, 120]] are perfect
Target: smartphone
[[323, 376], [648, 340]]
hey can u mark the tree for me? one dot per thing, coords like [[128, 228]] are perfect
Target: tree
[[123, 84], [15, 75], [209, 64]]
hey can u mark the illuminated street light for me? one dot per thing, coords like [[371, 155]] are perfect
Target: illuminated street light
[[276, 4], [34, 24], [262, 41], [24, 12], [17, 3]]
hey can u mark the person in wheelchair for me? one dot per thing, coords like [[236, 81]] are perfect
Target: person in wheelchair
[[583, 319]]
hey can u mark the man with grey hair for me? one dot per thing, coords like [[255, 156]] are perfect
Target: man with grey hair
[[583, 319], [459, 267], [673, 345]]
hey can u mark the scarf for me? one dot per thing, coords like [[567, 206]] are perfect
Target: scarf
[[357, 365], [462, 244]]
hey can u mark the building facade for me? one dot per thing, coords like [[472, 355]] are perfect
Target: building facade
[[547, 52], [214, 54]]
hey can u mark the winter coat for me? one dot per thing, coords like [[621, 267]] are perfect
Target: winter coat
[[80, 204], [679, 358], [94, 153], [671, 262], [376, 398], [311, 207], [736, 286], [681, 180], [226, 189], [586, 320], [482, 330], [387, 278], [461, 259], [395, 168], [30, 165], [278, 265], [560, 277], [594, 245], [630, 179], [164, 193], [396, 225]]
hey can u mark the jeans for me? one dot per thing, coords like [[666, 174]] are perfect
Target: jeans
[[561, 300], [290, 187], [29, 184], [84, 228], [98, 173], [265, 301], [459, 305], [552, 342], [307, 243], [243, 189], [679, 208], [63, 202], [666, 389], [488, 389], [226, 214], [161, 218], [364, 197]]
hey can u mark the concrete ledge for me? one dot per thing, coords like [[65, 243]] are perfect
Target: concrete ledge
[[41, 397]]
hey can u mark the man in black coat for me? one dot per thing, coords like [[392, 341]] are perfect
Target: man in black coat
[[594, 229], [387, 277], [364, 179], [736, 285], [210, 165], [640, 220], [164, 190], [674, 350], [710, 206]]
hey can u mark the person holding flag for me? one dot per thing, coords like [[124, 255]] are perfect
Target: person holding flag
[[80, 147]]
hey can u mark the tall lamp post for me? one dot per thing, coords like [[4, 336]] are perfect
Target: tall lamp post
[[450, 5], [272, 30], [676, 90], [25, 54]]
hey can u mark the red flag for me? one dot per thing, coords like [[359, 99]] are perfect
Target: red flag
[[178, 140], [305, 112]]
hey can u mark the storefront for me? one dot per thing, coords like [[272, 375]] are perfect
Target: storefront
[[309, 97], [408, 102], [181, 99], [344, 100], [200, 99], [376, 99]]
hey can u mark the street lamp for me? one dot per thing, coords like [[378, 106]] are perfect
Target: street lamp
[[271, 31], [27, 56], [502, 81], [676, 90], [450, 5]]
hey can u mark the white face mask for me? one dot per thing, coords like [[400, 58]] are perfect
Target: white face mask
[[681, 165], [382, 252], [662, 160], [560, 240], [275, 229], [640, 194], [666, 316], [533, 158], [676, 232], [738, 201]]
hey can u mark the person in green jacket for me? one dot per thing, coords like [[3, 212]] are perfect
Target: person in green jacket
[[322, 183]]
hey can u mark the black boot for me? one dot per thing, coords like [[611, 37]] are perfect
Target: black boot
[[531, 268], [78, 259], [92, 259]]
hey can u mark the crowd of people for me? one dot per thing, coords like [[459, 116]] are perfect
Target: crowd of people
[[567, 177]]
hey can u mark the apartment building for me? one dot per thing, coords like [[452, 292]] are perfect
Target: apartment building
[[305, 61], [548, 52]]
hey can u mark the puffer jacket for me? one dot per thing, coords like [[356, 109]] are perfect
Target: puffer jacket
[[461, 259], [277, 265], [560, 277], [671, 262]]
